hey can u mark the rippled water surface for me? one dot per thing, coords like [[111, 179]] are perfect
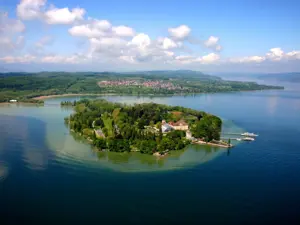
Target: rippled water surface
[[49, 175]]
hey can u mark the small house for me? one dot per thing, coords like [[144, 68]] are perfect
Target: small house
[[166, 128], [13, 100], [180, 125]]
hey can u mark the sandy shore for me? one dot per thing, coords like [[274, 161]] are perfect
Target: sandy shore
[[67, 95], [18, 103], [212, 144]]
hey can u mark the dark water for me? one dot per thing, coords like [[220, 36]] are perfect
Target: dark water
[[46, 177]]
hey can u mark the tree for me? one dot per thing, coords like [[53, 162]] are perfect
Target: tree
[[99, 122], [209, 128]]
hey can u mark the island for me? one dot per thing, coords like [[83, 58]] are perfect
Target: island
[[148, 128], [35, 87]]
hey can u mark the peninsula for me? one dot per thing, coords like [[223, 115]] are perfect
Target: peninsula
[[148, 128], [34, 87]]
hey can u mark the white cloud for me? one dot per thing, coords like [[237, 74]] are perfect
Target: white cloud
[[248, 59], [36, 9], [46, 40], [185, 59], [207, 59], [180, 32], [275, 54], [18, 59], [141, 40], [107, 46], [10, 40], [210, 58], [128, 59], [9, 26], [64, 15], [55, 59], [30, 9], [6, 44], [94, 28], [293, 55], [85, 31], [167, 43], [213, 43], [123, 31]]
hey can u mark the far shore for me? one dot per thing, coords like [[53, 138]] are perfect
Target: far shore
[[19, 103], [42, 97], [68, 95]]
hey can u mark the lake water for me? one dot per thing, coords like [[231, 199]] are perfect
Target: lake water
[[51, 176]]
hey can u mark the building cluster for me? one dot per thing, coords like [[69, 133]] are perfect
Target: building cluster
[[179, 125], [149, 83]]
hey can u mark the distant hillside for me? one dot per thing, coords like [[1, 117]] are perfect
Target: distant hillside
[[155, 74], [285, 77], [175, 74]]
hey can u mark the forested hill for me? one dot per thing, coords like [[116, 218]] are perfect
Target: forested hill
[[156, 74], [177, 74], [25, 86], [286, 77]]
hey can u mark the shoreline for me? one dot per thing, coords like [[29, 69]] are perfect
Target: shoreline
[[42, 97], [20, 103], [212, 144]]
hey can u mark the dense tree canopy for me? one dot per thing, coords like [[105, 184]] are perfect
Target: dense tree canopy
[[119, 127]]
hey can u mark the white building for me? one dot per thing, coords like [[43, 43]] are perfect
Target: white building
[[12, 100], [166, 128]]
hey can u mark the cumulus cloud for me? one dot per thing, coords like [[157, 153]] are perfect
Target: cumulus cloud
[[206, 59], [10, 39], [108, 42], [123, 31], [37, 9], [94, 28], [30, 9], [210, 58], [179, 33], [64, 15], [275, 54], [248, 59], [167, 43], [141, 40], [9, 26], [293, 55], [213, 43]]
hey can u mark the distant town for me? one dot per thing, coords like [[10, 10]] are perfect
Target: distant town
[[155, 84]]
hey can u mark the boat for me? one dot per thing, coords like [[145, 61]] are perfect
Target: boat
[[249, 134], [248, 139]]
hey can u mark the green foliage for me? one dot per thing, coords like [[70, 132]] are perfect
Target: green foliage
[[25, 86], [129, 126], [208, 128], [147, 146], [100, 143], [118, 145], [99, 122]]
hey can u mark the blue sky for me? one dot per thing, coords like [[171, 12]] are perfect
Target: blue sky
[[216, 36]]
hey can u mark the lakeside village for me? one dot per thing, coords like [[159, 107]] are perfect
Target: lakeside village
[[154, 84]]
